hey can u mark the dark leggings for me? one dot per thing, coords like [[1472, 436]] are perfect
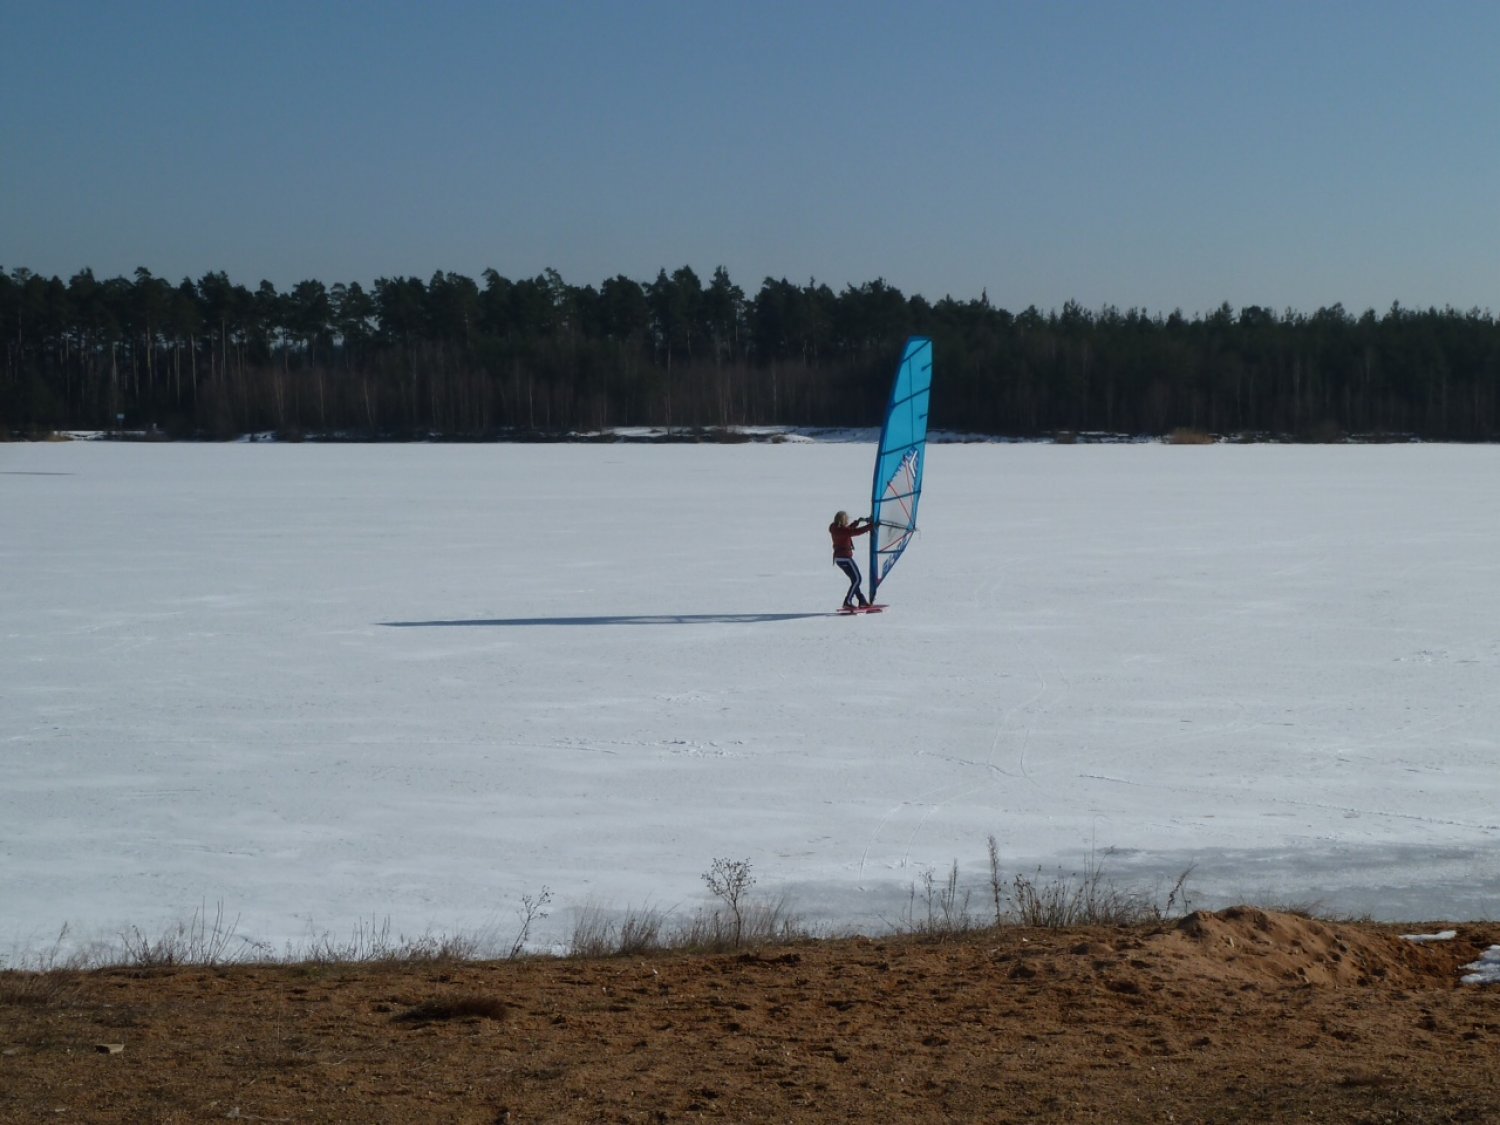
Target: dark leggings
[[851, 568]]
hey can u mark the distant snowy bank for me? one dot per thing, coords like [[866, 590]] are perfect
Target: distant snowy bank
[[736, 435]]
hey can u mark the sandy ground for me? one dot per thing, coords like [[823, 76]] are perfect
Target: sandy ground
[[1237, 1016]]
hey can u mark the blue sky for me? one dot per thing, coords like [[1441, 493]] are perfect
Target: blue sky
[[1142, 154]]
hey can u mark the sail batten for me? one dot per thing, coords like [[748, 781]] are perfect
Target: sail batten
[[899, 460]]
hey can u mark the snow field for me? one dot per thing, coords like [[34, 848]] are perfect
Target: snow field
[[321, 684]]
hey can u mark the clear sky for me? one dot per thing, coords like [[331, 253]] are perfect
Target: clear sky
[[1139, 153]]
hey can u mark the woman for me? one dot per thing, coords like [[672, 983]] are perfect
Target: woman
[[843, 533]]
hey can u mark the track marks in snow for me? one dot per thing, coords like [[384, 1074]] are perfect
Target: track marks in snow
[[695, 749], [1483, 652], [1029, 707], [690, 747], [1010, 739], [1018, 717], [890, 815]]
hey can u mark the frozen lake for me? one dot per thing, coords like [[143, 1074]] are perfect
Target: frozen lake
[[328, 684]]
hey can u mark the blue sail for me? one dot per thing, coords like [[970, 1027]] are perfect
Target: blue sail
[[898, 462]]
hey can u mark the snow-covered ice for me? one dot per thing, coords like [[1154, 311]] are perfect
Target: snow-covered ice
[[320, 684]]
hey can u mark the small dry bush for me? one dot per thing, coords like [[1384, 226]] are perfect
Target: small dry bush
[[941, 909], [1074, 901], [640, 933], [756, 923], [198, 941], [1087, 898]]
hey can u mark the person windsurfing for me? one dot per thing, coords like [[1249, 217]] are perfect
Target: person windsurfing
[[843, 533]]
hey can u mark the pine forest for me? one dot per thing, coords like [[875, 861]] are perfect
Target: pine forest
[[457, 359]]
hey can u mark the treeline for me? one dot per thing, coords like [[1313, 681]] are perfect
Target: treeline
[[463, 359]]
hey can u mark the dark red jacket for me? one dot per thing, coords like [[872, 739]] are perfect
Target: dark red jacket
[[843, 539]]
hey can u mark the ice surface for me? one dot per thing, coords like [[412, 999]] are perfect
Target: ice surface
[[320, 684]]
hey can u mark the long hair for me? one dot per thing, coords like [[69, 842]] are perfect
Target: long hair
[[841, 519]]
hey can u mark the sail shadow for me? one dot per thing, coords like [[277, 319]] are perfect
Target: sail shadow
[[614, 619]]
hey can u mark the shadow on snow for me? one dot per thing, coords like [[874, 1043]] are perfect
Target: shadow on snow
[[622, 619]]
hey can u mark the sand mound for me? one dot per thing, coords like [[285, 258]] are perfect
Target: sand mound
[[1242, 947], [1254, 945]]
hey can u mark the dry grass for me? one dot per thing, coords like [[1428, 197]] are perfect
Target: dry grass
[[43, 988], [937, 907], [596, 934], [940, 908], [373, 943], [756, 924], [197, 941]]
